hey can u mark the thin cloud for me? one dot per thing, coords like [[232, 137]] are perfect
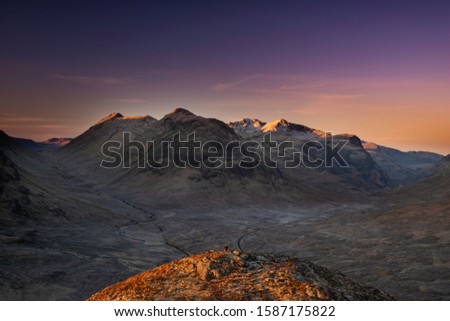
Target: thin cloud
[[15, 121], [24, 119], [132, 100], [337, 97], [93, 80], [304, 84], [43, 126], [271, 83], [236, 83]]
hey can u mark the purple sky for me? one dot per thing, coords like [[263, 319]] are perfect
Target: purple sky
[[379, 69]]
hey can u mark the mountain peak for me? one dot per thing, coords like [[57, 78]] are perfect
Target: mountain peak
[[251, 121], [283, 126], [247, 123], [352, 138], [180, 111], [246, 126], [252, 126], [180, 114], [370, 146], [110, 117], [274, 126], [234, 275]]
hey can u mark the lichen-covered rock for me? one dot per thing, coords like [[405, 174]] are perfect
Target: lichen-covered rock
[[239, 276]]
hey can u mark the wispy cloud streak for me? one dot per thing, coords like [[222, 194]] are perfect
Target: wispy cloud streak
[[288, 83], [93, 80], [132, 100], [10, 118]]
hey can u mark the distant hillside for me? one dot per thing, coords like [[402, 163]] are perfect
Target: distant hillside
[[442, 168], [239, 276], [402, 167], [434, 187], [14, 144]]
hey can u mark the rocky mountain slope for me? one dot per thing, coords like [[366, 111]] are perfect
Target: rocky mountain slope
[[361, 173], [239, 276]]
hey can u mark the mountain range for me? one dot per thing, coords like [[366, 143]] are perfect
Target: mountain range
[[241, 185], [60, 208]]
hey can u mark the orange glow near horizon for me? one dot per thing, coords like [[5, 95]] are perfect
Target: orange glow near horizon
[[401, 114], [380, 70], [406, 128]]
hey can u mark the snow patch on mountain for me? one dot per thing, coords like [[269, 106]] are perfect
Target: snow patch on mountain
[[247, 126], [253, 127]]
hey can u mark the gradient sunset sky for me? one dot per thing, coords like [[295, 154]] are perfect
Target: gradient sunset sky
[[378, 69]]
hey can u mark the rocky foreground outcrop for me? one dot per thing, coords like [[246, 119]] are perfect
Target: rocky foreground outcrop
[[239, 276]]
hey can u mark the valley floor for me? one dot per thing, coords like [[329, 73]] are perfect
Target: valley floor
[[401, 248]]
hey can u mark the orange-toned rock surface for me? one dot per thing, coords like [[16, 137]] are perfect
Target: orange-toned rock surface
[[239, 276]]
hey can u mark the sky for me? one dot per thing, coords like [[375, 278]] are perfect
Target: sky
[[377, 69]]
